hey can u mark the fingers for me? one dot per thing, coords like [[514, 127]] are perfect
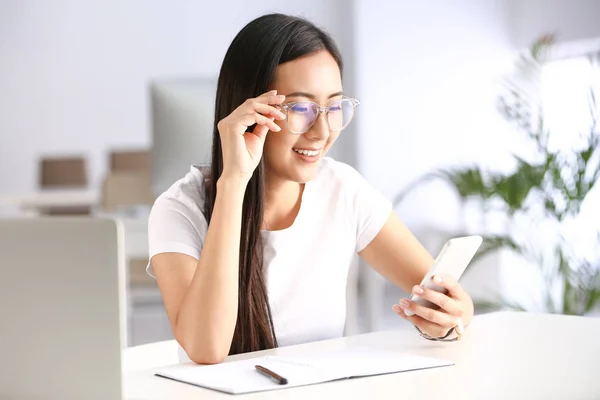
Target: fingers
[[259, 110], [429, 328], [264, 104], [259, 119], [260, 131], [268, 122], [436, 323], [454, 289], [265, 109], [270, 97], [434, 316], [446, 303]]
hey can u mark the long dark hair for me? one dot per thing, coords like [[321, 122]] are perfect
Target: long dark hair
[[247, 71]]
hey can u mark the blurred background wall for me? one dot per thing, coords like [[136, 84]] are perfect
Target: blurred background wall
[[75, 76]]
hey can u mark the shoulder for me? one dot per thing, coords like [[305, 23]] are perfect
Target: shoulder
[[182, 203], [367, 208], [340, 179], [337, 173], [189, 191], [176, 223]]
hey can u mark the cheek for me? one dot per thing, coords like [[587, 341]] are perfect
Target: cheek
[[331, 140], [277, 143]]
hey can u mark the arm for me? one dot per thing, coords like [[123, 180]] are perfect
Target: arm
[[397, 255], [201, 297]]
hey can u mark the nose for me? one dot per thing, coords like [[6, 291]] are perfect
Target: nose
[[320, 129]]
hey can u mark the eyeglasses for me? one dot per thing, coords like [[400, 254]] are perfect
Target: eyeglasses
[[301, 116]]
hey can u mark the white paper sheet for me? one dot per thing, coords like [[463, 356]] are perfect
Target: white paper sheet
[[241, 376]]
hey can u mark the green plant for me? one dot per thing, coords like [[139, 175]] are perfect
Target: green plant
[[558, 181]]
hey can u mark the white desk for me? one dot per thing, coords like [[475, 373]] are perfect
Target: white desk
[[502, 356]]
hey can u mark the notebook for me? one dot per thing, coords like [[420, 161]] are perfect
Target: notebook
[[239, 377]]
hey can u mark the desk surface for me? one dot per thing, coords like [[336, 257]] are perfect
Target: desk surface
[[502, 356]]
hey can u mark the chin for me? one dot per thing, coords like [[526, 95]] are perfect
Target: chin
[[304, 174]]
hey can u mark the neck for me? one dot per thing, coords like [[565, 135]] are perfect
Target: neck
[[282, 202]]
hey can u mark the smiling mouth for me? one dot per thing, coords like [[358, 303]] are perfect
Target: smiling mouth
[[308, 153]]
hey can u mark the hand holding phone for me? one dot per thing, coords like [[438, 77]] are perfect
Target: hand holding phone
[[452, 261]]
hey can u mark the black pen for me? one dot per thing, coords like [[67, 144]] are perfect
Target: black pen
[[280, 379]]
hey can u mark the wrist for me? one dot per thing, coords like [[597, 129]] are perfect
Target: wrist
[[233, 186], [233, 180], [452, 335]]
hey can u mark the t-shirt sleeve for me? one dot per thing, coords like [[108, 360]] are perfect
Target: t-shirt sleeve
[[369, 208], [175, 228]]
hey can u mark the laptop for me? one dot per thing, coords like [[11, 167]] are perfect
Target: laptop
[[62, 308]]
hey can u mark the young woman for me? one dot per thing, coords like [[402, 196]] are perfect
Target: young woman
[[253, 252]]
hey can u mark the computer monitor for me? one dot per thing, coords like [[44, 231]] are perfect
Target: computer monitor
[[182, 127]]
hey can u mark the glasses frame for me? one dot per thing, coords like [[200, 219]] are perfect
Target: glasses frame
[[320, 110]]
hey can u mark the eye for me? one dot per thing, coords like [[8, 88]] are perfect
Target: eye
[[300, 108], [336, 106]]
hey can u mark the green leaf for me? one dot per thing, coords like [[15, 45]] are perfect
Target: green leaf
[[468, 182], [596, 175], [540, 47], [568, 303], [586, 154], [592, 300]]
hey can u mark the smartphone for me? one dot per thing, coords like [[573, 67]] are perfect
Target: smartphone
[[452, 261]]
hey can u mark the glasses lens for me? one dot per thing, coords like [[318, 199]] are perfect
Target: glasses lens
[[340, 114], [301, 116]]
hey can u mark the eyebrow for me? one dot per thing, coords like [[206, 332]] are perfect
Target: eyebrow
[[312, 96]]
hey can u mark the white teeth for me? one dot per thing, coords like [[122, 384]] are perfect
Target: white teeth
[[309, 153]]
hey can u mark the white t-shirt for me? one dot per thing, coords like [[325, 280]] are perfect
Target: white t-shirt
[[306, 264]]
